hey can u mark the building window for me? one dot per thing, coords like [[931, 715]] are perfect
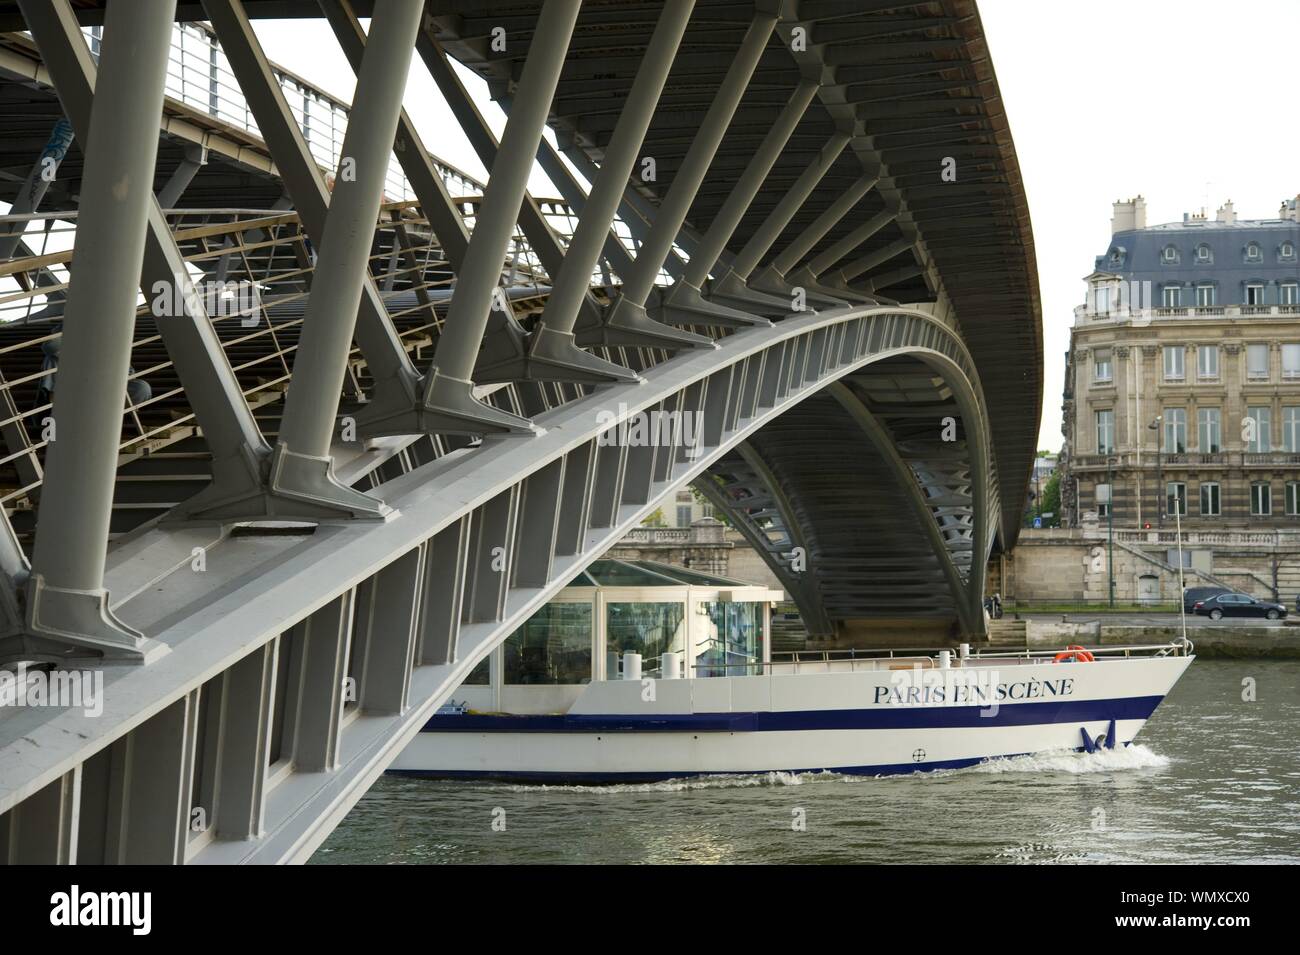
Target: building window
[[1208, 430], [1252, 252], [1103, 500], [1288, 293], [1210, 500], [1101, 370], [1101, 301], [1207, 361], [1172, 296], [1175, 430], [1176, 498], [1293, 498], [1205, 296], [1259, 427], [1291, 428], [1254, 295], [683, 515], [1286, 252], [1174, 358], [1261, 499], [1203, 254], [1290, 362], [1257, 362], [1169, 255], [1105, 432]]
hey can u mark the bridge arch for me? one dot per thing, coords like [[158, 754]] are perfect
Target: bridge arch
[[430, 585]]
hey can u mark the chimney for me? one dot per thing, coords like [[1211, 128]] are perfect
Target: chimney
[[1289, 209], [1128, 216], [1226, 214]]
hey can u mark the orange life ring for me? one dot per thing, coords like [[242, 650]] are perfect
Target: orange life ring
[[1074, 654]]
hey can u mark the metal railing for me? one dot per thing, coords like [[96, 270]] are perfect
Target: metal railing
[[872, 659], [199, 76], [253, 272], [1189, 311]]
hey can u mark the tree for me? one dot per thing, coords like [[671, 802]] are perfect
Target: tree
[[1052, 501]]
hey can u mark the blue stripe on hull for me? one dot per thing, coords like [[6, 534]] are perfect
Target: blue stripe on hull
[[886, 717], [577, 778]]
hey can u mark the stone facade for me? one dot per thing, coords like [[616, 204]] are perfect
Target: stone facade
[[707, 546], [1183, 377], [1072, 565]]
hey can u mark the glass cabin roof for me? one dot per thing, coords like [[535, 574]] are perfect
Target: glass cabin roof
[[608, 572]]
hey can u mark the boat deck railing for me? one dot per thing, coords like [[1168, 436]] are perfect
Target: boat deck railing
[[892, 658]]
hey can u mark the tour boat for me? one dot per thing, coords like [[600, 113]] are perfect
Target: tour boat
[[872, 712], [862, 714]]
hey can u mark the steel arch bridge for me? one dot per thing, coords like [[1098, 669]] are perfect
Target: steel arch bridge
[[377, 412]]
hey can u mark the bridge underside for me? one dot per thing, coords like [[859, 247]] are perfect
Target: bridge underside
[[322, 508], [857, 502]]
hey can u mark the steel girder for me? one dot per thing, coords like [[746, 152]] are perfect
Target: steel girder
[[406, 608], [299, 663]]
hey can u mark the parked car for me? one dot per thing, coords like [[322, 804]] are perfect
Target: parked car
[[1238, 605], [1192, 594]]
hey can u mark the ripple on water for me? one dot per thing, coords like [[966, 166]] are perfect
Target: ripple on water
[[1214, 779]]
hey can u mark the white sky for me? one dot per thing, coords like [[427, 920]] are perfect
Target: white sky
[[1187, 103]]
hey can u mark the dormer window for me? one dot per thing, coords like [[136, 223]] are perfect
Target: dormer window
[[1203, 254], [1169, 255], [1101, 300], [1286, 252], [1252, 252]]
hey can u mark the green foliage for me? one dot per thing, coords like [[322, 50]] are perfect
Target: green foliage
[[1049, 504]]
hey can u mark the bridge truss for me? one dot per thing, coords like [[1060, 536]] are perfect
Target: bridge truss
[[334, 498]]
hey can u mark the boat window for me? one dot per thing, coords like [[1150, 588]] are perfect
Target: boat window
[[733, 639], [552, 647], [650, 629]]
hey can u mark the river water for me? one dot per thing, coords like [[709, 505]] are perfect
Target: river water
[[1212, 778]]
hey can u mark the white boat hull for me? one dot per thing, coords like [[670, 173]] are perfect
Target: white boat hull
[[865, 722]]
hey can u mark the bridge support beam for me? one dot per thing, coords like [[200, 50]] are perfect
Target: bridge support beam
[[732, 284], [239, 452], [810, 273], [614, 252], [773, 278], [449, 227], [866, 263], [302, 460], [67, 611], [553, 340], [636, 211], [301, 468], [448, 391], [396, 382], [628, 313], [685, 298], [508, 353]]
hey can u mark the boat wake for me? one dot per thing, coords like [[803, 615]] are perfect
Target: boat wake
[[1135, 756], [687, 783]]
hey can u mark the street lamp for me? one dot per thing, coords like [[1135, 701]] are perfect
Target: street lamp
[[1160, 472], [1110, 526]]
